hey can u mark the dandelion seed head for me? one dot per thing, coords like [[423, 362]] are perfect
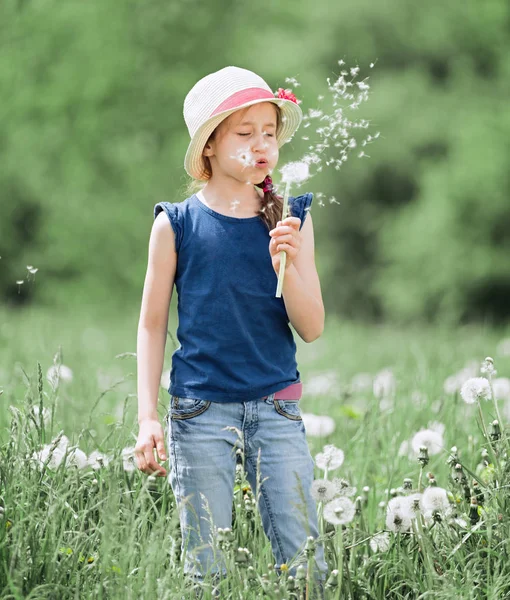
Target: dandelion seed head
[[339, 511], [476, 388]]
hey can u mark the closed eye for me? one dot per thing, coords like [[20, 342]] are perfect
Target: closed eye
[[243, 134]]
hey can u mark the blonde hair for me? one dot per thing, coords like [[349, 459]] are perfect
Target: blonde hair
[[271, 204]]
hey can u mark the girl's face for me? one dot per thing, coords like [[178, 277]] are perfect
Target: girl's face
[[244, 138]]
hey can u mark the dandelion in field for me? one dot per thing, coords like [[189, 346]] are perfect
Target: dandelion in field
[[323, 490], [52, 457], [487, 366], [434, 501], [77, 458], [128, 458], [295, 172], [321, 384], [56, 373], [384, 384], [343, 487], [414, 500], [380, 542], [165, 379], [453, 383], [339, 511], [432, 440], [399, 514], [98, 460], [318, 425], [476, 388], [46, 414], [330, 458]]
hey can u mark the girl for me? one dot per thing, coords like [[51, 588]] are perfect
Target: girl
[[235, 368]]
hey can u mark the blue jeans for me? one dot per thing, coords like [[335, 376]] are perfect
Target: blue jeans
[[203, 461]]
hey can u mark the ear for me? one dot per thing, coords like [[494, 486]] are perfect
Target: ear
[[208, 150]]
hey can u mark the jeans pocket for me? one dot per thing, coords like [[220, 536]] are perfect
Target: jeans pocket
[[187, 408], [288, 408]]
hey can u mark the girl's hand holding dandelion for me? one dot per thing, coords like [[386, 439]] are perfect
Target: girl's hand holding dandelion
[[150, 437], [285, 237]]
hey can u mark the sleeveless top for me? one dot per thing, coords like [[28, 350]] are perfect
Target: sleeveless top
[[235, 340]]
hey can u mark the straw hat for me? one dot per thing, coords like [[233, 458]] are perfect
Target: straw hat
[[217, 95]]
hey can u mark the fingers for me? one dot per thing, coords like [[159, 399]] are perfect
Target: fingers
[[145, 461]]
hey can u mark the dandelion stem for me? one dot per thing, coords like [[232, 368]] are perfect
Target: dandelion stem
[[283, 255], [500, 420], [494, 456]]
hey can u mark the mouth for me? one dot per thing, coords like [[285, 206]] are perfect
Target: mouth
[[261, 163]]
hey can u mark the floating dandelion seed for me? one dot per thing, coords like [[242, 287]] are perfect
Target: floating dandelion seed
[[476, 388], [339, 511]]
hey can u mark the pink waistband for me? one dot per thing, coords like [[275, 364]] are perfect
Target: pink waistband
[[291, 392]]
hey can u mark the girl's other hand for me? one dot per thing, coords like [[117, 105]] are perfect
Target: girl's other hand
[[287, 237], [150, 436]]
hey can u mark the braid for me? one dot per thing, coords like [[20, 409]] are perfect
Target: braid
[[271, 204]]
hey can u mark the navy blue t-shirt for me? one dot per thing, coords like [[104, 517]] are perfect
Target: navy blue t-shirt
[[235, 340]]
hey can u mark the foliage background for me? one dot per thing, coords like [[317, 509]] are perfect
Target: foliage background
[[92, 136]]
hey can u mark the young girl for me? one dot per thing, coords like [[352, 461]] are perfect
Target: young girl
[[236, 364]]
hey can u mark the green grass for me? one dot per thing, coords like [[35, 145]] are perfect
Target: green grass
[[71, 533]]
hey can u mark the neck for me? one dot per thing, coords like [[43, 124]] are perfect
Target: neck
[[230, 194]]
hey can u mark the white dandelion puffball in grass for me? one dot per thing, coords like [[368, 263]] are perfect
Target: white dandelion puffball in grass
[[434, 499], [98, 460], [46, 414], [432, 440], [501, 388], [399, 515], [330, 458], [476, 388], [318, 425], [295, 172], [339, 511], [384, 384], [323, 490], [57, 373], [453, 383], [128, 458], [77, 458], [164, 382], [54, 458], [321, 384], [343, 487], [380, 542]]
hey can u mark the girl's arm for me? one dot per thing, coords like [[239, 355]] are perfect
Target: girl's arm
[[301, 290], [152, 326]]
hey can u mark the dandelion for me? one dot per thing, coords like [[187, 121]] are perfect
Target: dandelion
[[487, 366], [323, 490], [434, 499], [295, 172], [318, 425], [454, 382], [429, 438], [97, 459], [380, 542], [77, 458], [475, 389], [343, 488], [339, 511], [331, 458], [46, 414], [384, 384], [58, 372], [399, 515], [128, 458], [321, 384]]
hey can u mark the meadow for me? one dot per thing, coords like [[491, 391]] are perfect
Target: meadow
[[411, 470]]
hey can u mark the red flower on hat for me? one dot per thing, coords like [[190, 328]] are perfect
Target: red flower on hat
[[286, 95]]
